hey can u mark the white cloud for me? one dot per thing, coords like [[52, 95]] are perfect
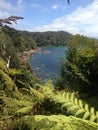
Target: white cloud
[[4, 14], [4, 5], [56, 7], [83, 21], [6, 8]]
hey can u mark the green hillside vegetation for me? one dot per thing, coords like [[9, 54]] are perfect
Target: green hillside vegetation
[[50, 38], [23, 40], [19, 40], [27, 104], [80, 68]]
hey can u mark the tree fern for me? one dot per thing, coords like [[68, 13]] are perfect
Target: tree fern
[[53, 122], [36, 93], [77, 72], [73, 105], [24, 101]]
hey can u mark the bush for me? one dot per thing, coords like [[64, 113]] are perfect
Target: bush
[[80, 68]]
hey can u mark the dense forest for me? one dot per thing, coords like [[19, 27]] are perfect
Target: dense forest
[[23, 40], [28, 104], [50, 38]]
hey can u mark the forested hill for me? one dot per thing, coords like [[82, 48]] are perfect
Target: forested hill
[[50, 37], [22, 40], [16, 39]]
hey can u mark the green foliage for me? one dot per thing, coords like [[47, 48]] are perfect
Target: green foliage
[[48, 88], [6, 83], [24, 110], [29, 100], [20, 41], [11, 105], [50, 38], [71, 104], [14, 102], [14, 72], [37, 94], [53, 122], [80, 69], [22, 102], [26, 78], [3, 66]]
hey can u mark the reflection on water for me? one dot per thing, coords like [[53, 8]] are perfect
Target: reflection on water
[[47, 65]]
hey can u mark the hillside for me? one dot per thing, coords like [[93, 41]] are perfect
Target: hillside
[[50, 37], [23, 40], [19, 40]]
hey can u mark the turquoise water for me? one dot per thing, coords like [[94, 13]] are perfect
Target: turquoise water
[[47, 66]]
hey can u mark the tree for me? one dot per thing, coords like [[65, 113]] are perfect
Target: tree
[[79, 71]]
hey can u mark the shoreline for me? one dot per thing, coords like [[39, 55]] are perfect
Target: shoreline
[[25, 55]]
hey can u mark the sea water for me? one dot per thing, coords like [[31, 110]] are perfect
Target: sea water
[[46, 63]]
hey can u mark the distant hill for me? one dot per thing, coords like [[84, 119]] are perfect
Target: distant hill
[[23, 40], [50, 37]]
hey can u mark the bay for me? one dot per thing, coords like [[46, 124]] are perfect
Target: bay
[[46, 63]]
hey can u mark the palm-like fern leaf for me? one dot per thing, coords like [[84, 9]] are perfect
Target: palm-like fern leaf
[[54, 122], [73, 105]]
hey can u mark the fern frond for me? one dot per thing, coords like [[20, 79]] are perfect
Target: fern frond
[[67, 96], [54, 122], [67, 105], [97, 116], [86, 115], [38, 94], [24, 110], [76, 101], [73, 109], [80, 104], [86, 107], [92, 110], [72, 104], [92, 118], [80, 113], [72, 97]]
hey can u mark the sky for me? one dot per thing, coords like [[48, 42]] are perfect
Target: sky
[[80, 17]]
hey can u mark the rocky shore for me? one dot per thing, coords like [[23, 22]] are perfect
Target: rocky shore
[[24, 56]]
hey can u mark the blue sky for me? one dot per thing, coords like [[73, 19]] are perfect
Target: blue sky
[[80, 17]]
